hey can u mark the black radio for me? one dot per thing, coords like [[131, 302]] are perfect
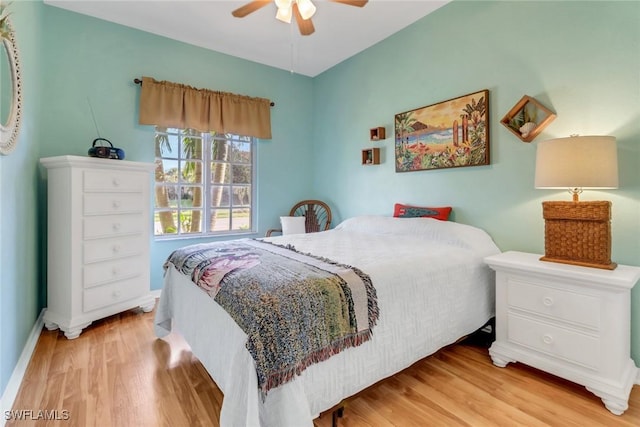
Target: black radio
[[106, 152]]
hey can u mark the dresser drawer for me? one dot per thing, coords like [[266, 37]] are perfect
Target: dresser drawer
[[97, 274], [580, 309], [112, 203], [112, 293], [571, 346], [106, 249], [112, 180], [113, 225]]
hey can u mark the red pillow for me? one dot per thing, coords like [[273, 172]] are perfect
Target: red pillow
[[406, 211]]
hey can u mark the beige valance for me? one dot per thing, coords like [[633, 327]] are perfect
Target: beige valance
[[175, 105]]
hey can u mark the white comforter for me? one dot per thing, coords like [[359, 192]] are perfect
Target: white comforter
[[432, 287]]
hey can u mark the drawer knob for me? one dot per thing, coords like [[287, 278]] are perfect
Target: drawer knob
[[114, 271], [116, 249], [547, 339], [116, 182], [547, 301], [116, 226], [116, 294], [116, 204]]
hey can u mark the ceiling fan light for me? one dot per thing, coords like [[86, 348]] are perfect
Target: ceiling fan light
[[284, 15], [283, 4], [306, 8]]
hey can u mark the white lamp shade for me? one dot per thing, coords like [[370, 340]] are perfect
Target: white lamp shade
[[577, 162]]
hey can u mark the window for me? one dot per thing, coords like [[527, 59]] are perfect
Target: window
[[204, 183]]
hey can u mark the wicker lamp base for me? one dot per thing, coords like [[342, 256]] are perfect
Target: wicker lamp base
[[578, 233]]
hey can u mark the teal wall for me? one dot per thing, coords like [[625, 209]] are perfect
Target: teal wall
[[588, 76], [580, 59], [20, 235], [96, 60], [93, 59]]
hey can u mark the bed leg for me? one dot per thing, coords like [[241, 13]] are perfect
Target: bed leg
[[338, 413]]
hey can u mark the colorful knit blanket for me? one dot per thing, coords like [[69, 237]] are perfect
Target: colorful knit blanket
[[296, 309]]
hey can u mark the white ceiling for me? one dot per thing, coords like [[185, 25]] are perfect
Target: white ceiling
[[341, 31]]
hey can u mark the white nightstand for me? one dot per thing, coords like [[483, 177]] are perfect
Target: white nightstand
[[570, 321]]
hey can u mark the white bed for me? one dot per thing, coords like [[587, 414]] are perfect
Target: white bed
[[432, 287]]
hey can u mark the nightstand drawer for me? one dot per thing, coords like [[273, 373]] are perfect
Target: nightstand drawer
[[112, 203], [580, 309], [114, 180], [113, 293], [112, 225], [565, 344], [106, 272]]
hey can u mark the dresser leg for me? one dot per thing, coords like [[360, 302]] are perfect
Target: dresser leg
[[73, 333], [50, 326], [148, 307]]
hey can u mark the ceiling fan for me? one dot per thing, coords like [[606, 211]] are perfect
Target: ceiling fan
[[303, 10]]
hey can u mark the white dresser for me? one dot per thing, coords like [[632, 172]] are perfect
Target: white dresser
[[99, 222], [570, 321]]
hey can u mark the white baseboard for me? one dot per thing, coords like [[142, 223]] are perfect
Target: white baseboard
[[11, 391]]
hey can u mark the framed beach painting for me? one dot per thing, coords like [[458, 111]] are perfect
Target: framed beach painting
[[449, 134]]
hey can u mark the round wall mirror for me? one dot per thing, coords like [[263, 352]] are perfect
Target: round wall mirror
[[10, 90]]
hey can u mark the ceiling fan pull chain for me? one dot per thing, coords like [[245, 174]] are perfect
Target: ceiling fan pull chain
[[291, 46]]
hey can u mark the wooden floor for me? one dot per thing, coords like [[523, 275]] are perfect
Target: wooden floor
[[118, 374]]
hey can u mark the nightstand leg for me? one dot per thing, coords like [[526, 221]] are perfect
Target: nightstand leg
[[614, 404], [500, 360], [616, 407]]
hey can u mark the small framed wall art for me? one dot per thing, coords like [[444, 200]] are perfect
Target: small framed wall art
[[449, 134], [527, 118]]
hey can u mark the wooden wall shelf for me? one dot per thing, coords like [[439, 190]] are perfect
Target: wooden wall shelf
[[376, 134], [527, 119], [371, 156]]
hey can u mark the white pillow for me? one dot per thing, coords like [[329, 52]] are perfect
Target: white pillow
[[292, 225]]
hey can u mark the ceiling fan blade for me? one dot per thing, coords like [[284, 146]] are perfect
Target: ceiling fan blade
[[252, 6], [357, 3], [304, 25]]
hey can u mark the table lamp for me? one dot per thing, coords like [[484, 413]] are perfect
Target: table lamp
[[578, 232]]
